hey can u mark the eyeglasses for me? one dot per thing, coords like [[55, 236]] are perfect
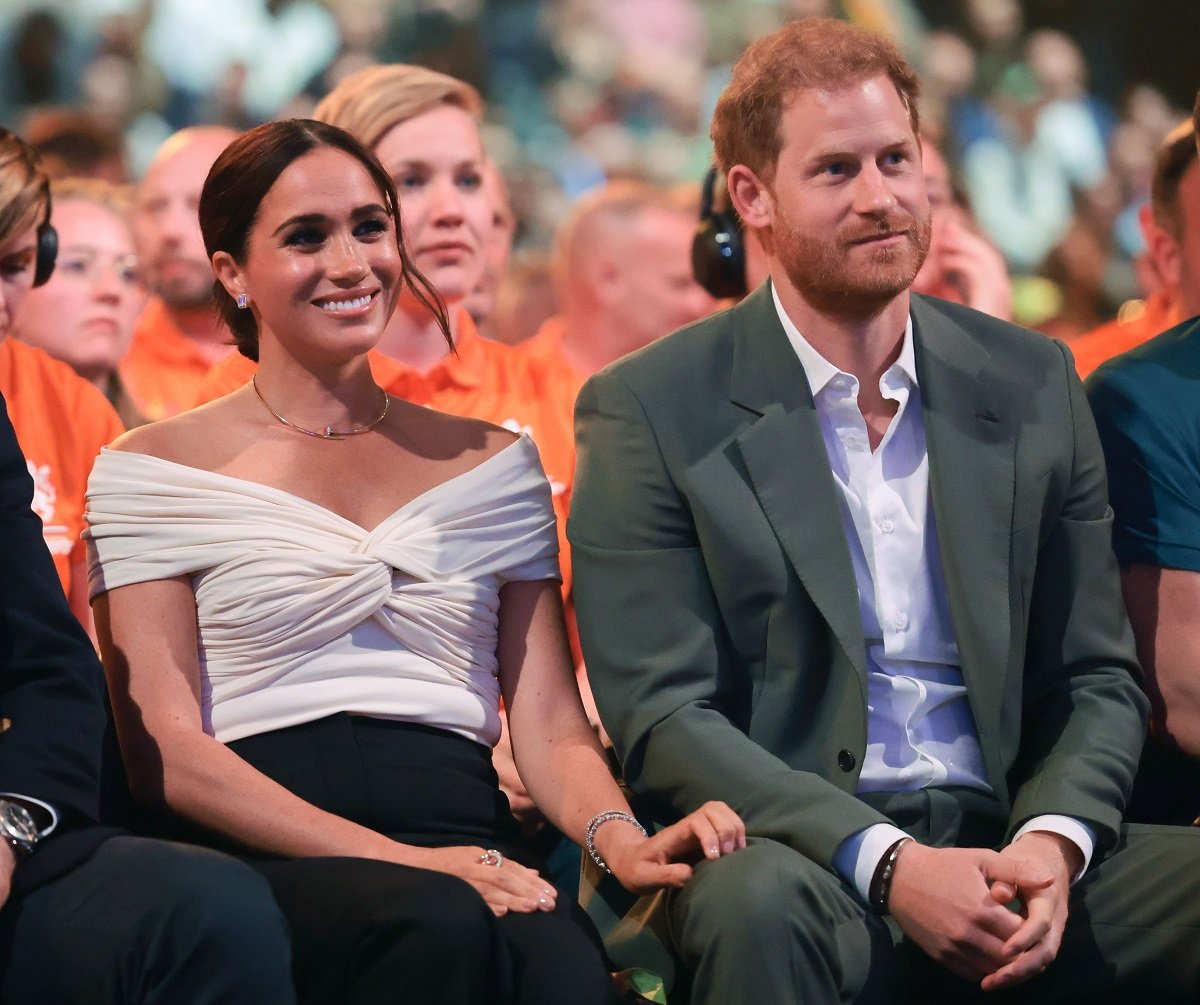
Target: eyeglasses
[[88, 265]]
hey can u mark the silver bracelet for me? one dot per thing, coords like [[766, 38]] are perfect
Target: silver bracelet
[[594, 825]]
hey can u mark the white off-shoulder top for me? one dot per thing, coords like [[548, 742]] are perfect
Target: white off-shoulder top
[[303, 613]]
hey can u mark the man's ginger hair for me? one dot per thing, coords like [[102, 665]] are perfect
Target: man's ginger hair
[[816, 53]]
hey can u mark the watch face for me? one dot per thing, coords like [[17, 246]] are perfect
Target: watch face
[[17, 821]]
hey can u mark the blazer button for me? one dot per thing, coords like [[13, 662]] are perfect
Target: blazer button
[[846, 760]]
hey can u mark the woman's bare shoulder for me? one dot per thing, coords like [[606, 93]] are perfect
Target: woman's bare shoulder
[[435, 433], [186, 438]]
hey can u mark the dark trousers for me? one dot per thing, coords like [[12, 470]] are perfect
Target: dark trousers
[[365, 931], [373, 932], [146, 921], [770, 927]]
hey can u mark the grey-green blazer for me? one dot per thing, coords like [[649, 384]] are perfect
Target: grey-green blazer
[[717, 604]]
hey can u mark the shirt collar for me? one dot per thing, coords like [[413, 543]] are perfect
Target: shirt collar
[[820, 371], [465, 365]]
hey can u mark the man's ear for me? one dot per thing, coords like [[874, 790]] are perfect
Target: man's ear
[[229, 273], [600, 270], [750, 197], [1162, 249]]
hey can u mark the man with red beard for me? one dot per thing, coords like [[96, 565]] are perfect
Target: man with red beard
[[842, 560]]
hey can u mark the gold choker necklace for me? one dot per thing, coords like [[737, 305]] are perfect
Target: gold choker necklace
[[329, 433]]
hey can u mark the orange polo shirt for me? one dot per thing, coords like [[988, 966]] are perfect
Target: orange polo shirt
[[484, 380], [163, 369], [1115, 337], [61, 422], [559, 378]]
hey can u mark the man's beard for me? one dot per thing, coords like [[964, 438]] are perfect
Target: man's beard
[[185, 290], [835, 280]]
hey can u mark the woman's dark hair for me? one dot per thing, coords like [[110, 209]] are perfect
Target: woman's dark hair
[[240, 180]]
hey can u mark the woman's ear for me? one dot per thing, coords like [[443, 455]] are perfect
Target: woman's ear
[[229, 274]]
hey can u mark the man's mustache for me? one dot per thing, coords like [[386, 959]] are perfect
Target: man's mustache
[[888, 226]]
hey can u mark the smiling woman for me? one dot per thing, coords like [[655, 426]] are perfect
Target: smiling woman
[[316, 152], [424, 128], [365, 577]]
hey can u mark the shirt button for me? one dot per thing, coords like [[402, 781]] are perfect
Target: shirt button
[[845, 760], [886, 525], [900, 621]]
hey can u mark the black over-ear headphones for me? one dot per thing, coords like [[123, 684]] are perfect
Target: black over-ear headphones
[[47, 236], [718, 253], [47, 250]]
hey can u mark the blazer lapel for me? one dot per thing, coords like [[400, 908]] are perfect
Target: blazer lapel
[[972, 453], [789, 471]]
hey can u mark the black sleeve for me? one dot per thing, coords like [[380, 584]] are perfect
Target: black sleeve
[[51, 685]]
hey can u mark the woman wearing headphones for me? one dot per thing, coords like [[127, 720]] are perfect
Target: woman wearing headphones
[[85, 314], [61, 420]]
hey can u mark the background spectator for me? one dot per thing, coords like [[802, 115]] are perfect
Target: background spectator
[[1051, 110], [179, 336], [85, 312]]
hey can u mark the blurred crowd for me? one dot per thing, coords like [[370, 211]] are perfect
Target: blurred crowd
[[549, 166], [580, 91]]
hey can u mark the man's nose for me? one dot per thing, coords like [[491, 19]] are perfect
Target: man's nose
[[873, 192]]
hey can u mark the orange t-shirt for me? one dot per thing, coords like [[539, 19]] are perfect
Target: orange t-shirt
[[163, 369], [484, 380], [61, 422], [1115, 337]]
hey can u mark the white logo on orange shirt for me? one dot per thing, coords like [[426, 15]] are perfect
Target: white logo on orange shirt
[[515, 426], [45, 496], [44, 493]]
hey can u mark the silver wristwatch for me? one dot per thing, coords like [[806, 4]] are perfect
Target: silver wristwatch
[[18, 828]]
